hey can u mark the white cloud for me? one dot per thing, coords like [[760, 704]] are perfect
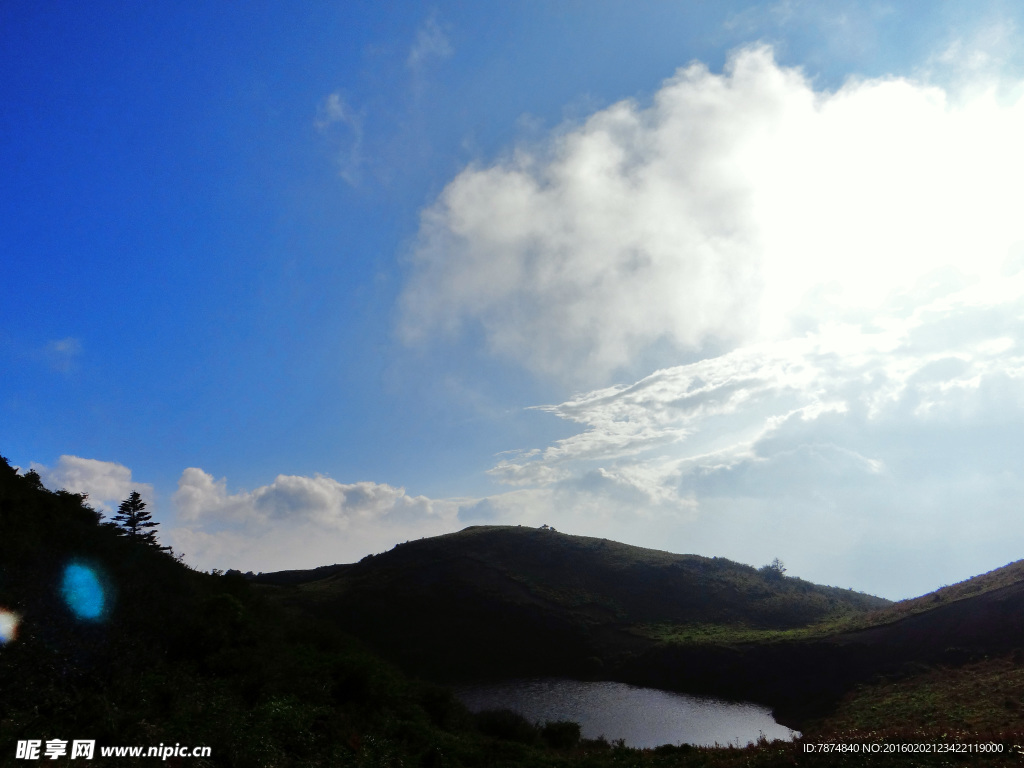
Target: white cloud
[[343, 127], [296, 521], [982, 51], [733, 208], [431, 43], [106, 482], [882, 454]]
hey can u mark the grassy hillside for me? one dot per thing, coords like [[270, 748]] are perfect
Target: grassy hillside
[[503, 600], [976, 685], [804, 674], [841, 623], [977, 696]]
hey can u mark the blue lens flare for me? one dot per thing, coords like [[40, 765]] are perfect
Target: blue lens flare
[[83, 591], [8, 626]]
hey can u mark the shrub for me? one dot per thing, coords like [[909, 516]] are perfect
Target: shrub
[[776, 569], [507, 725], [561, 734]]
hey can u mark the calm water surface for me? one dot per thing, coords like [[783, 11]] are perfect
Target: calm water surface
[[644, 717]]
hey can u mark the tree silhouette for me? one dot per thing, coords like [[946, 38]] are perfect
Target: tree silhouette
[[776, 569], [34, 480], [135, 522]]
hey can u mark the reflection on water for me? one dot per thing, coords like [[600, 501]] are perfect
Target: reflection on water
[[643, 717]]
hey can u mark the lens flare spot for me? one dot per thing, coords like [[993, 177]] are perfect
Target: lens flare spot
[[8, 626], [83, 592]]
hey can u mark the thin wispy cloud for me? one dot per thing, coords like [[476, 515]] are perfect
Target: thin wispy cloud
[[937, 367], [345, 125], [977, 56], [63, 355], [431, 43], [430, 46], [342, 126]]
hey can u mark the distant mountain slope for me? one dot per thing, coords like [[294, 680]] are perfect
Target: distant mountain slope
[[1008, 575], [803, 677], [502, 599]]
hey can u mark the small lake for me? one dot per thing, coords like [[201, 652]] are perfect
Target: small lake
[[643, 717]]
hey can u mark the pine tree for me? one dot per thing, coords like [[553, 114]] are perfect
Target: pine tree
[[135, 521]]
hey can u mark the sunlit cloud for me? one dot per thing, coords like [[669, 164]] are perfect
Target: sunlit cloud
[[295, 520], [106, 483], [733, 208], [905, 427]]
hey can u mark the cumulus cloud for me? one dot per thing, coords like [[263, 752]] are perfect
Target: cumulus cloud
[[297, 521], [733, 208], [106, 482]]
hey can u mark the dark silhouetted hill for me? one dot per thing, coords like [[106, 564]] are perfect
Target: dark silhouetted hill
[[492, 600]]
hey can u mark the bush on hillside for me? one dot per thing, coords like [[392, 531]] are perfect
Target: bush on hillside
[[507, 725], [775, 570], [561, 734]]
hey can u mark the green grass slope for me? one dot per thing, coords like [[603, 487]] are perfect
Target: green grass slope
[[962, 670], [850, 626], [804, 674]]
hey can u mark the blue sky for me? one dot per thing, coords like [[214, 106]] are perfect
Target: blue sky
[[741, 279]]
